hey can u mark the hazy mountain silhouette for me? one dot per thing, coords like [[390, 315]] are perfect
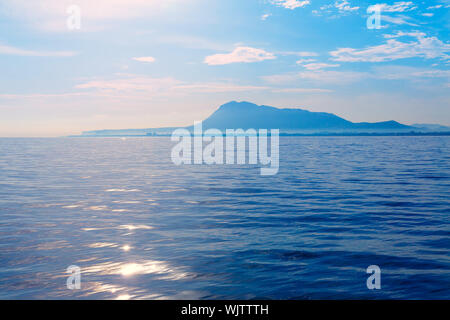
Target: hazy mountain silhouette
[[248, 115], [245, 115]]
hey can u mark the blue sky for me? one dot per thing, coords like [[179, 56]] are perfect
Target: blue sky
[[152, 63]]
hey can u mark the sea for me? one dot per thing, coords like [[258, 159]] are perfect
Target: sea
[[114, 218]]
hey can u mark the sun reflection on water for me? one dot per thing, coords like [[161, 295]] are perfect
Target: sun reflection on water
[[102, 245], [128, 269], [134, 227]]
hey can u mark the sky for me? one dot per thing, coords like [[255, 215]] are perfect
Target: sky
[[78, 65]]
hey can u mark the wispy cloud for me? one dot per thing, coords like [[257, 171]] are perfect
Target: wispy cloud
[[333, 77], [144, 59], [318, 77], [51, 15], [389, 72], [397, 7], [298, 53], [393, 49], [291, 4], [147, 87], [132, 83], [303, 61], [435, 7], [401, 6], [9, 50], [318, 66], [265, 16], [141, 85], [393, 72], [240, 54], [98, 9], [400, 20], [344, 5], [302, 90]]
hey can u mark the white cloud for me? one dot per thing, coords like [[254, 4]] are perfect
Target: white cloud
[[414, 34], [428, 14], [318, 66], [291, 4], [144, 59], [345, 6], [435, 7], [240, 54], [9, 50], [393, 49], [400, 19], [401, 6], [265, 16], [397, 7], [302, 61]]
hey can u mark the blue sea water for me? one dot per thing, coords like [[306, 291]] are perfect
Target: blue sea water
[[140, 227]]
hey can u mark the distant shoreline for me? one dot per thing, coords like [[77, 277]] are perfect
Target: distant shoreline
[[347, 134]]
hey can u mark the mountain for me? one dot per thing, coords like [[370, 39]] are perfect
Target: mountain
[[248, 115], [245, 115]]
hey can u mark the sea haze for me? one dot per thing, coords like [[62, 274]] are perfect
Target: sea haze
[[140, 227]]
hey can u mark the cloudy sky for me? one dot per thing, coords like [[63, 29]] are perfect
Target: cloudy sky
[[152, 63]]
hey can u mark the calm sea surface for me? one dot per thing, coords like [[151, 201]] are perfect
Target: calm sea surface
[[140, 227]]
